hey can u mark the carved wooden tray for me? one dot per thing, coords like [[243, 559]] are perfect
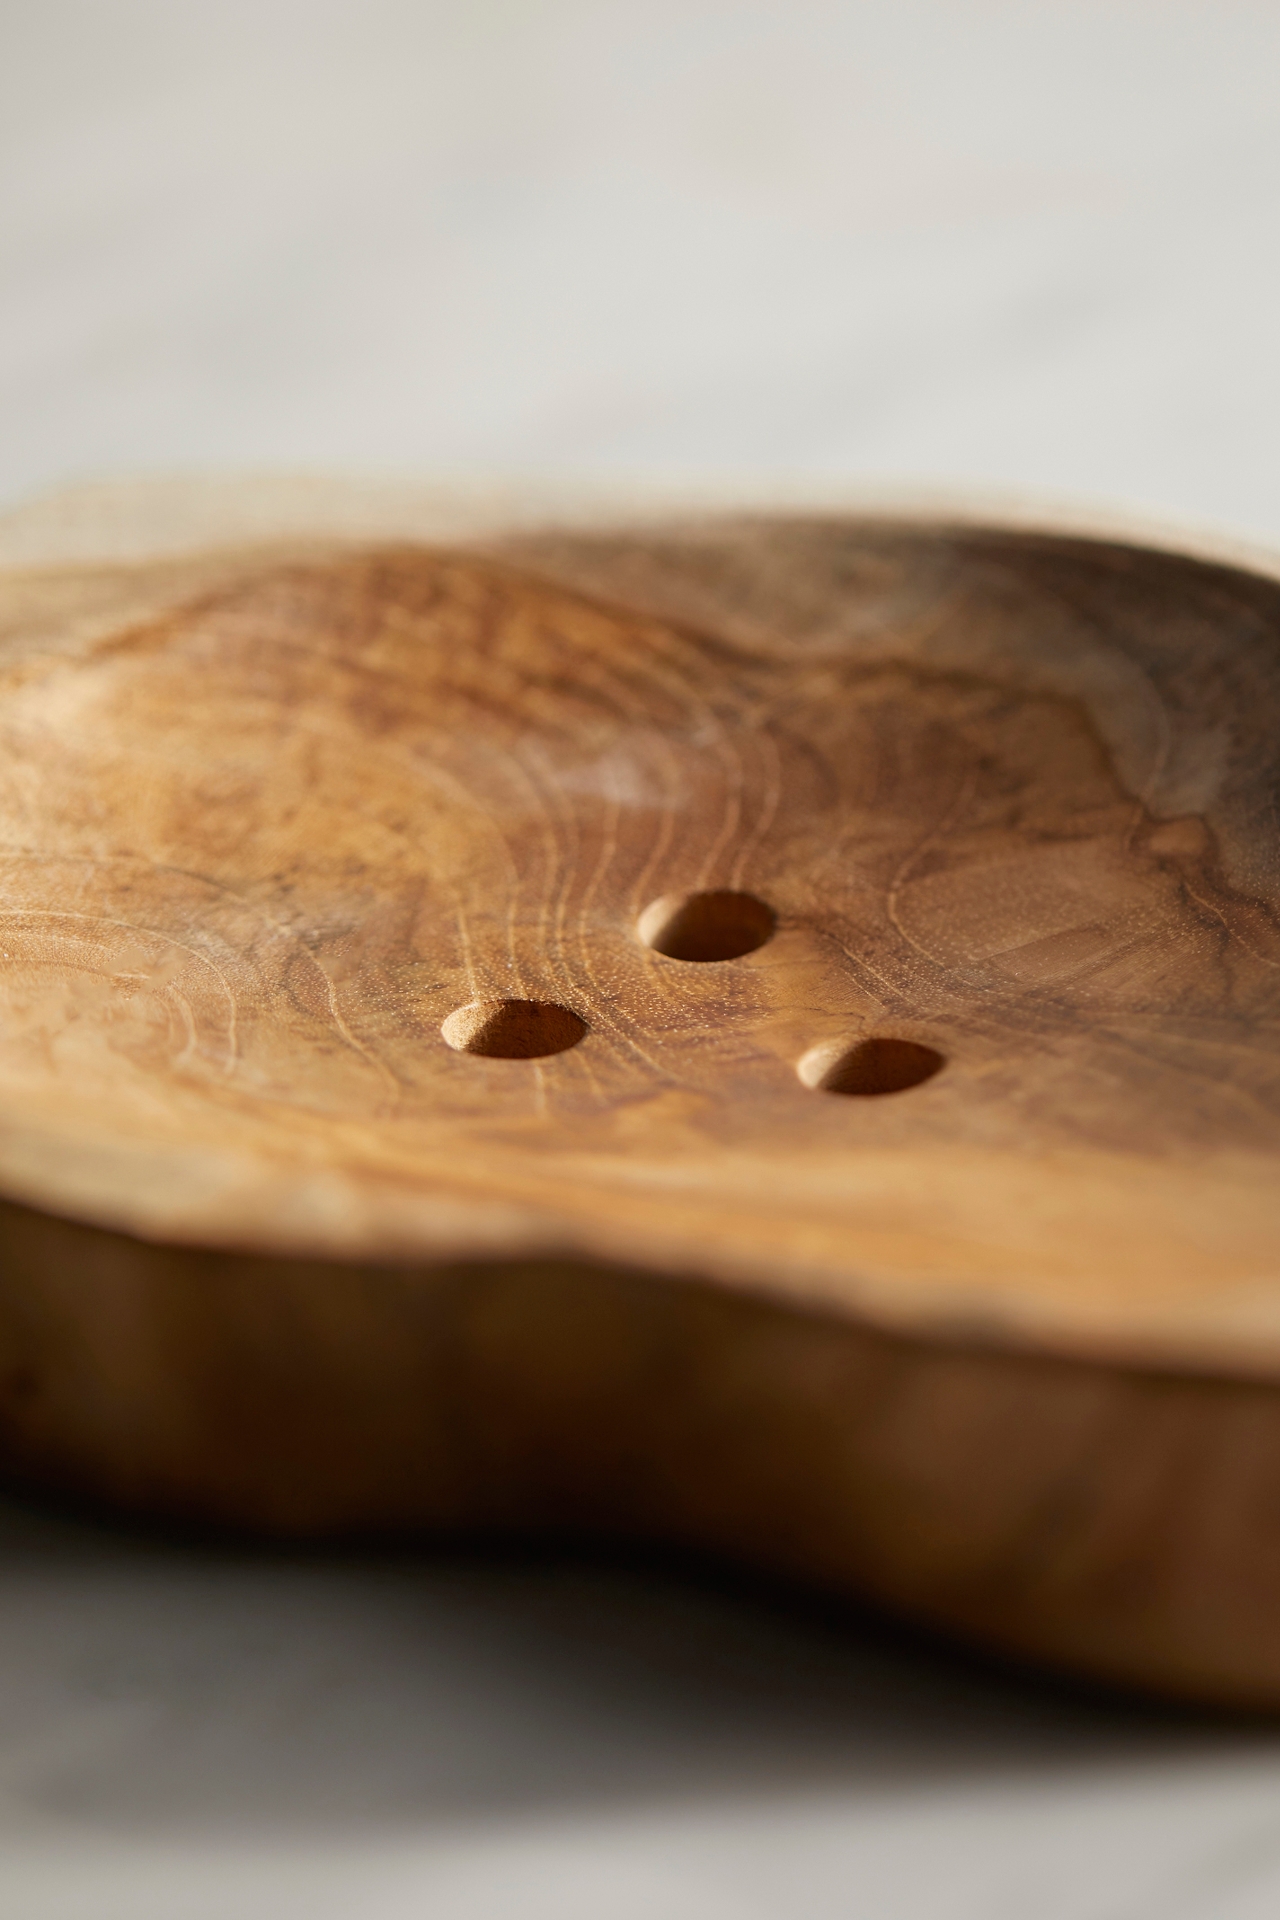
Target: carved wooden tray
[[761, 1032]]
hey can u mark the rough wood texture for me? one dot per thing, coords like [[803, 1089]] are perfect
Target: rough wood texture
[[758, 1032]]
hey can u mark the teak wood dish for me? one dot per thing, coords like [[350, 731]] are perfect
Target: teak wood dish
[[755, 1031]]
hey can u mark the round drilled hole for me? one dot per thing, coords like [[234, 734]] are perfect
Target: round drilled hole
[[876, 1065], [513, 1029], [706, 926]]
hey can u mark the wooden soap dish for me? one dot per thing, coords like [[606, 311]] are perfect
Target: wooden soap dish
[[759, 1032]]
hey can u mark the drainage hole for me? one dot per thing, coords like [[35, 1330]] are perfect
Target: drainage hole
[[873, 1066], [706, 926], [513, 1029]]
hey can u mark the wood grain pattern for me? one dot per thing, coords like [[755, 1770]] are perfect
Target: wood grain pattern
[[753, 1031]]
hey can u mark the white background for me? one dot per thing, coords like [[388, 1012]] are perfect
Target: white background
[[1025, 246], [1018, 244]]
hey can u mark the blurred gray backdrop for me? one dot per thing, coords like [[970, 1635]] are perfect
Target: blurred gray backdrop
[[1028, 245]]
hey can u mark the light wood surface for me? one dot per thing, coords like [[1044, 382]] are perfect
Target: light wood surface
[[757, 1031]]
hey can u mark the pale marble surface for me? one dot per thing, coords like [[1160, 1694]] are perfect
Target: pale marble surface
[[188, 1733], [1024, 246]]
